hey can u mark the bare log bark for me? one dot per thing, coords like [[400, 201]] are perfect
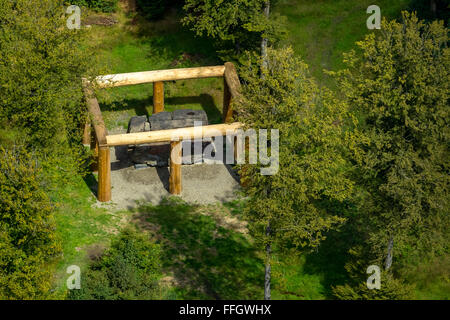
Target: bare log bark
[[126, 79], [158, 97]]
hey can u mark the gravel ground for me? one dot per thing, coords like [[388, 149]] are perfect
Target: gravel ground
[[201, 183]]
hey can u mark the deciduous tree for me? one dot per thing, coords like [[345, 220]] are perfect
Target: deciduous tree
[[399, 86], [245, 24], [293, 208]]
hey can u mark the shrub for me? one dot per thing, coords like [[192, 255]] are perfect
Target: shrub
[[391, 289], [129, 269], [151, 9], [97, 5], [27, 230], [41, 66], [399, 87]]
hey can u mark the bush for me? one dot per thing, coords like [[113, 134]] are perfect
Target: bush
[[391, 289], [399, 87], [151, 9], [130, 269], [41, 66], [97, 5], [27, 230]]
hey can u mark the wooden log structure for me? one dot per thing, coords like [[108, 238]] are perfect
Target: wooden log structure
[[87, 133], [158, 97], [175, 137], [94, 150], [175, 167], [125, 79], [101, 149], [104, 175], [100, 141], [189, 133], [232, 90]]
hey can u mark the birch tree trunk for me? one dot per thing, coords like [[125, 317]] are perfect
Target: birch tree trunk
[[264, 66], [267, 274], [433, 7], [388, 261], [264, 39]]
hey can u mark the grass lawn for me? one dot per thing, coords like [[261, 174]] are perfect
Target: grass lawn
[[321, 30], [83, 228]]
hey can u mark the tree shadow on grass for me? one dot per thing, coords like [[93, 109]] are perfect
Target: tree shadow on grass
[[140, 105], [207, 261], [91, 183], [331, 256], [169, 39]]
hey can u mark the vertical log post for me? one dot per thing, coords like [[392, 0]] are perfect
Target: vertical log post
[[175, 167], [104, 175], [99, 147], [158, 97], [232, 88], [226, 101]]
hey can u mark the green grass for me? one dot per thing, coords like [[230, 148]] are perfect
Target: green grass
[[321, 30], [292, 282], [431, 278], [80, 225], [207, 260]]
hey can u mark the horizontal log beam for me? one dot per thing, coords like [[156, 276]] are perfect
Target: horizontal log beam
[[125, 79], [173, 134], [96, 116]]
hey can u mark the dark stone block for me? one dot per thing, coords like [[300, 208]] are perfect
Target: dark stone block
[[182, 123], [161, 116], [173, 124], [137, 124], [199, 115], [158, 155], [138, 166], [160, 124]]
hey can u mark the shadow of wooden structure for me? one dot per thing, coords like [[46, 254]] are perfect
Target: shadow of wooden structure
[[96, 134]]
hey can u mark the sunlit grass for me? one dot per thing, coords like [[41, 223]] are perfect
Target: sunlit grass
[[79, 225], [321, 30]]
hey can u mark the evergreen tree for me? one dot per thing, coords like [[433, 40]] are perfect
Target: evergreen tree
[[292, 208], [130, 269], [28, 241], [243, 24], [42, 62], [399, 86]]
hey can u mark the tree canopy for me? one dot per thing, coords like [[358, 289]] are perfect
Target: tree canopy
[[398, 86]]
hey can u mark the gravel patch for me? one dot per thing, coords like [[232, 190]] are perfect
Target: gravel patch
[[201, 183]]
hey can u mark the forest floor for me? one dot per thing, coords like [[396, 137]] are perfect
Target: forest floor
[[208, 252]]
